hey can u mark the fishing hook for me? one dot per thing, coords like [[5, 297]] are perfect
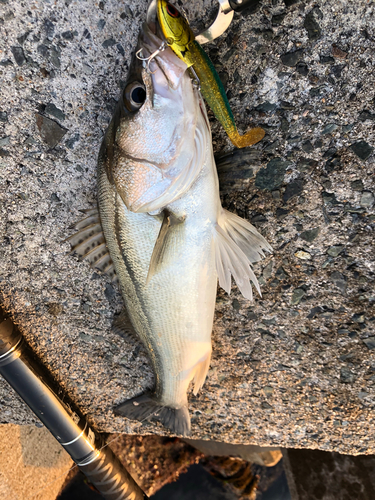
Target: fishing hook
[[162, 47]]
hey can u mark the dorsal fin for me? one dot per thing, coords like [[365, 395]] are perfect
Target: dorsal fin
[[123, 326], [89, 243]]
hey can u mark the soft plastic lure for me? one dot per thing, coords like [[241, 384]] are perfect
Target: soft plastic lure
[[181, 39]]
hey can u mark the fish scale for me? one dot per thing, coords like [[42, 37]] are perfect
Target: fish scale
[[158, 310], [169, 239]]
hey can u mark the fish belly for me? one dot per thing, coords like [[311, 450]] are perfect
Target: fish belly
[[173, 312]]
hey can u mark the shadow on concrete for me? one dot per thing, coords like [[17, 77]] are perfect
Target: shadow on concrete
[[199, 484], [321, 475]]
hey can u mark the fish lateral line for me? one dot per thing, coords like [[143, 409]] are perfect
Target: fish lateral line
[[178, 223]]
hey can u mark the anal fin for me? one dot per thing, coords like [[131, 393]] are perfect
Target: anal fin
[[201, 373]]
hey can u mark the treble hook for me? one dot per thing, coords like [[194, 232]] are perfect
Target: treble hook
[[162, 47]]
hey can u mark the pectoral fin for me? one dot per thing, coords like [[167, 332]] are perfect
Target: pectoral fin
[[237, 245], [165, 245]]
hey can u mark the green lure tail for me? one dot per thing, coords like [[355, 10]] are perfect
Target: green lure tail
[[182, 41], [213, 92]]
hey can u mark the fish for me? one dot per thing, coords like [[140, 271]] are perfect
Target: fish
[[161, 231], [181, 39]]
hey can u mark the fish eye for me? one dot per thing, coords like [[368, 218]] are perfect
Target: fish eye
[[135, 96], [172, 11]]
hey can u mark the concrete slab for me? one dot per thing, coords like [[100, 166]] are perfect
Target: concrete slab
[[296, 368], [33, 465], [267, 457]]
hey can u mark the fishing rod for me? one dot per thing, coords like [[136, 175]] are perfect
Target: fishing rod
[[34, 384]]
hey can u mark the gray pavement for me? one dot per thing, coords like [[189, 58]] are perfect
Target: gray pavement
[[295, 368]]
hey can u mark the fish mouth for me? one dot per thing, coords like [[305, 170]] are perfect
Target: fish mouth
[[157, 57]]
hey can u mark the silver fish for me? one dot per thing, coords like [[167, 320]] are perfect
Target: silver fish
[[169, 239]]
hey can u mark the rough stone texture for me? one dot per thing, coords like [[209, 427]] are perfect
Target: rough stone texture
[[320, 475], [292, 369], [154, 461], [33, 465]]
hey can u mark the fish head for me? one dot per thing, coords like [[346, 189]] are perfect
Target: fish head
[[149, 145], [156, 98]]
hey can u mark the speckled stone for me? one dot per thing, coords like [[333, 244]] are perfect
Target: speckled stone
[[370, 342], [19, 55], [272, 176], [52, 110], [311, 25], [291, 58], [303, 350], [362, 149], [335, 250], [50, 131], [310, 234], [339, 280], [298, 293], [295, 188], [328, 129], [367, 199]]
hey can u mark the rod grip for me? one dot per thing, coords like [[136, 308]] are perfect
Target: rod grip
[[34, 384], [110, 477]]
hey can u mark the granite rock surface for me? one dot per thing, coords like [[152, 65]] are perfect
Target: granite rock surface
[[295, 368]]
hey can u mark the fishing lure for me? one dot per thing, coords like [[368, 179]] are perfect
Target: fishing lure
[[181, 40]]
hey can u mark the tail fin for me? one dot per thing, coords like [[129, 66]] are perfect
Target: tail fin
[[145, 406]]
